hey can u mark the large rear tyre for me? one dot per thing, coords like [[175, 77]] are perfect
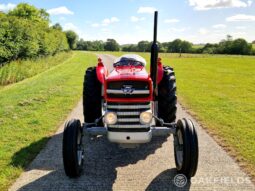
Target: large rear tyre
[[167, 98], [73, 152], [186, 148], [92, 101]]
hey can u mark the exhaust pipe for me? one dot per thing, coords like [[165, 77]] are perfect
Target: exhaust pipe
[[154, 57]]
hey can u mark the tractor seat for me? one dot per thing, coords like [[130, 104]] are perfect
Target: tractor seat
[[130, 60]]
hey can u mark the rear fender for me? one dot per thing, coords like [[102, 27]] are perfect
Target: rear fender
[[101, 71], [160, 71]]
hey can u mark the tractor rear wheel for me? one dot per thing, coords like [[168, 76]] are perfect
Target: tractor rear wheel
[[91, 96], [72, 148], [186, 148], [167, 99]]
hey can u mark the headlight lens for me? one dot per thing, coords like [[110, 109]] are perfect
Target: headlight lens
[[145, 117], [110, 118]]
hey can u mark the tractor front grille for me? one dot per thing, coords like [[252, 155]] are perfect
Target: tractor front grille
[[128, 116], [128, 89]]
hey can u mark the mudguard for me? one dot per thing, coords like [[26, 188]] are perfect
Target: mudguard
[[101, 71], [160, 71]]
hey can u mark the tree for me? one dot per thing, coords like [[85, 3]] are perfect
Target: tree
[[81, 45], [130, 48], [143, 46], [174, 46], [97, 45], [179, 46], [240, 46], [111, 45], [186, 47], [164, 46], [210, 48], [57, 26], [26, 11], [72, 39]]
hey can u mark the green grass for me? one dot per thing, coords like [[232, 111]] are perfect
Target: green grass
[[19, 70], [220, 92], [31, 110]]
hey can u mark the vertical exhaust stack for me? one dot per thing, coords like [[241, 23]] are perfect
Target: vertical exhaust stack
[[154, 57]]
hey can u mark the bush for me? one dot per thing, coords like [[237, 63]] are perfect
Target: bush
[[25, 33]]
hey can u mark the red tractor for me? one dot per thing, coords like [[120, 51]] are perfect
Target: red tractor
[[130, 106]]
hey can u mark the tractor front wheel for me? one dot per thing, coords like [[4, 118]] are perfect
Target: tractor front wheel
[[73, 152], [186, 148]]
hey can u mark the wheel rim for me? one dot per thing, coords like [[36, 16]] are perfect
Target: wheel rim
[[80, 151], [179, 148], [80, 157]]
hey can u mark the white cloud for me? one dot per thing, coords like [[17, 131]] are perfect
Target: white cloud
[[149, 10], [239, 34], [177, 29], [60, 11], [171, 21], [240, 17], [71, 26], [136, 19], [138, 27], [7, 7], [203, 31], [114, 19], [95, 25], [108, 21], [217, 4], [105, 22], [219, 26], [105, 30], [240, 27], [62, 18], [249, 3]]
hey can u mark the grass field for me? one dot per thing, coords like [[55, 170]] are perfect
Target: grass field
[[31, 110], [220, 92], [19, 70]]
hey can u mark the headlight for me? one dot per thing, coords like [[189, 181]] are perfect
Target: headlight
[[146, 117], [110, 118]]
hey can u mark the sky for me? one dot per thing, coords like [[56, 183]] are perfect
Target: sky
[[130, 21]]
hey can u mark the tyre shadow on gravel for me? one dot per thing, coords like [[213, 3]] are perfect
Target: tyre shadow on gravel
[[165, 181], [102, 158]]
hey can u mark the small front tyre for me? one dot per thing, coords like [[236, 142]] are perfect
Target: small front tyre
[[186, 148], [73, 153]]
